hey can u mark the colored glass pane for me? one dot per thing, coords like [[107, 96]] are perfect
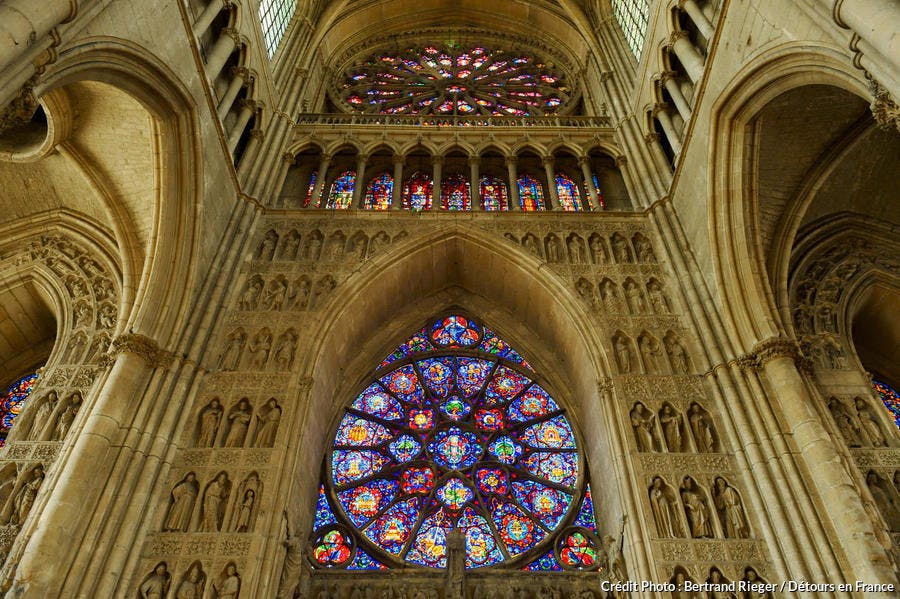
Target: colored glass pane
[[417, 192], [545, 563], [454, 80], [421, 420], [890, 397], [493, 344], [505, 384], [379, 192], [454, 494], [533, 403], [351, 465], [12, 401], [567, 191], [439, 374], [376, 402], [455, 331], [417, 481], [404, 383], [363, 502], [556, 467], [552, 434], [455, 193], [531, 194], [599, 191], [454, 449], [548, 505], [505, 450], [341, 195], [391, 529], [430, 547], [577, 550], [310, 190], [332, 549], [364, 561], [494, 195], [585, 516], [416, 344], [404, 448], [489, 419], [359, 432], [324, 515], [455, 408], [517, 531], [471, 374], [481, 547], [492, 481]]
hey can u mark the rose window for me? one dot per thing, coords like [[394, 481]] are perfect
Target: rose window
[[454, 80], [454, 432]]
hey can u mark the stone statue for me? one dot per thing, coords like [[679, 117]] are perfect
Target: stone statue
[[245, 512], [250, 297], [231, 357], [529, 243], [210, 418], [260, 348], [657, 298], [26, 496], [229, 583], [679, 581], [42, 417], [598, 252], [716, 578], [662, 504], [323, 287], [298, 294], [313, 247], [623, 354], [290, 571], [214, 499], [696, 510], [634, 298], [848, 427], [701, 429], [284, 350], [751, 577], [615, 563], [671, 423], [239, 418], [731, 511], [642, 421], [651, 353], [576, 250], [64, 421], [290, 245], [644, 249], [870, 428], [609, 295], [192, 584], [267, 246], [677, 355], [586, 291], [156, 585], [620, 249], [267, 424], [884, 499], [359, 247], [184, 494], [274, 297]]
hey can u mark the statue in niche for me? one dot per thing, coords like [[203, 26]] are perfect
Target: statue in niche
[[679, 581], [834, 353], [614, 562], [609, 295], [529, 243], [642, 421], [870, 428], [284, 350], [731, 510], [884, 499], [239, 419], [274, 297], [846, 424], [26, 495], [313, 247], [290, 245], [576, 250], [623, 353], [325, 285], [210, 418], [44, 412], [267, 246], [298, 294], [76, 346], [103, 288], [716, 578], [672, 426], [662, 502], [657, 297], [696, 510], [752, 578], [82, 314], [267, 424], [66, 418], [260, 347], [620, 249], [231, 357], [511, 237], [250, 297], [181, 506], [586, 291], [379, 241], [651, 353], [156, 585], [644, 249], [552, 244], [634, 298], [598, 251], [106, 318], [243, 515], [336, 246], [192, 584], [359, 247], [214, 499], [293, 558], [677, 355], [701, 429], [229, 584]]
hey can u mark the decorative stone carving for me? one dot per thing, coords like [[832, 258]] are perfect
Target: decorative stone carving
[[208, 424], [181, 504], [275, 294], [156, 584], [193, 583], [678, 357], [298, 294], [696, 509], [26, 495], [643, 423], [846, 424], [665, 511], [259, 349], [643, 249], [885, 500], [552, 248], [268, 420], [313, 246], [599, 254], [290, 569], [586, 290], [634, 297], [285, 348], [246, 504], [679, 579], [575, 246], [610, 295], [289, 246], [753, 581], [266, 250], [324, 286], [66, 417], [45, 409], [702, 429], [144, 347], [672, 425], [228, 585], [621, 250], [731, 510], [651, 353], [624, 352], [870, 428], [238, 422], [657, 298], [215, 498]]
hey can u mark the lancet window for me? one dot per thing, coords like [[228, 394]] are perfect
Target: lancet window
[[379, 192], [274, 16], [341, 196], [531, 194]]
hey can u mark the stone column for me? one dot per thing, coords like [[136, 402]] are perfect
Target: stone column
[[220, 52], [436, 163], [652, 140], [251, 150], [240, 78], [397, 191], [248, 107], [681, 103], [324, 163], [875, 21], [209, 15], [689, 56], [360, 183], [585, 163], [661, 113], [699, 19], [474, 182], [512, 172], [552, 199], [24, 22]]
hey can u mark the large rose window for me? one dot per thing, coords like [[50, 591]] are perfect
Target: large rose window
[[454, 433], [445, 80]]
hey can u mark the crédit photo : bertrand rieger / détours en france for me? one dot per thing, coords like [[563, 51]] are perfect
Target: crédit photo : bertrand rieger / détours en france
[[743, 586]]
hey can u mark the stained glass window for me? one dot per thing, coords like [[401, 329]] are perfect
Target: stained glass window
[[454, 80], [599, 191], [455, 193], [274, 16], [417, 192], [341, 195], [12, 401], [313, 177], [890, 397], [632, 16], [454, 432], [531, 193], [378, 192], [569, 196], [493, 194]]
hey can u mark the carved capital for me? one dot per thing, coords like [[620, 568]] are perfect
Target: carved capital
[[19, 110], [305, 384], [884, 107], [605, 385], [241, 72], [659, 107], [512, 160], [233, 34], [605, 76], [474, 160], [666, 75], [621, 160], [547, 160], [677, 35], [747, 362], [144, 347], [651, 137], [776, 347]]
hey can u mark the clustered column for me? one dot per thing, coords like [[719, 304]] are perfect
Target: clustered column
[[512, 172], [474, 182]]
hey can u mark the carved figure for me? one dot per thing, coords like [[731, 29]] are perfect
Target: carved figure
[[239, 417], [325, 285], [620, 249], [644, 249], [598, 251], [847, 425], [210, 418], [657, 298], [552, 244], [231, 357], [298, 294], [214, 503], [701, 429], [718, 581], [290, 571], [245, 511], [731, 511], [229, 584], [651, 353], [284, 350], [890, 511], [623, 354], [586, 291], [696, 510], [289, 246], [671, 422], [267, 424], [184, 494], [677, 356], [359, 247], [663, 506], [576, 249], [267, 246], [192, 584], [260, 347], [106, 318], [615, 564], [634, 298], [26, 495], [869, 425], [156, 585], [642, 422], [313, 247], [64, 421], [753, 580], [44, 412], [274, 297], [530, 244], [609, 295], [679, 580]]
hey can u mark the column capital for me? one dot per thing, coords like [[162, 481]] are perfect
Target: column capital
[[548, 160], [232, 33], [682, 3], [511, 160], [584, 159], [474, 160], [249, 104], [437, 159], [776, 347], [144, 347], [667, 75], [677, 35], [287, 157], [256, 133], [242, 73], [621, 160], [325, 157], [660, 107], [651, 137], [362, 157]]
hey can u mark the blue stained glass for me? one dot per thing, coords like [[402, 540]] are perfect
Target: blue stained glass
[[545, 563], [557, 467], [494, 194], [364, 561], [376, 402], [350, 465], [379, 192], [341, 195], [417, 192], [404, 448], [567, 191], [438, 374], [493, 344], [313, 177], [533, 403], [481, 548], [550, 434], [548, 505], [404, 383], [471, 374], [455, 449], [455, 193], [416, 344], [890, 397], [362, 503], [324, 515], [455, 408], [517, 531], [391, 529], [430, 546], [586, 516], [455, 331], [454, 494], [505, 450], [12, 401], [355, 431], [505, 384], [531, 194]]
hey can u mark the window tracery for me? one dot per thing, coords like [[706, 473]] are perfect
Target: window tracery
[[455, 193], [454, 432], [379, 192], [454, 80], [12, 401], [632, 16], [274, 16], [341, 196], [531, 194]]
